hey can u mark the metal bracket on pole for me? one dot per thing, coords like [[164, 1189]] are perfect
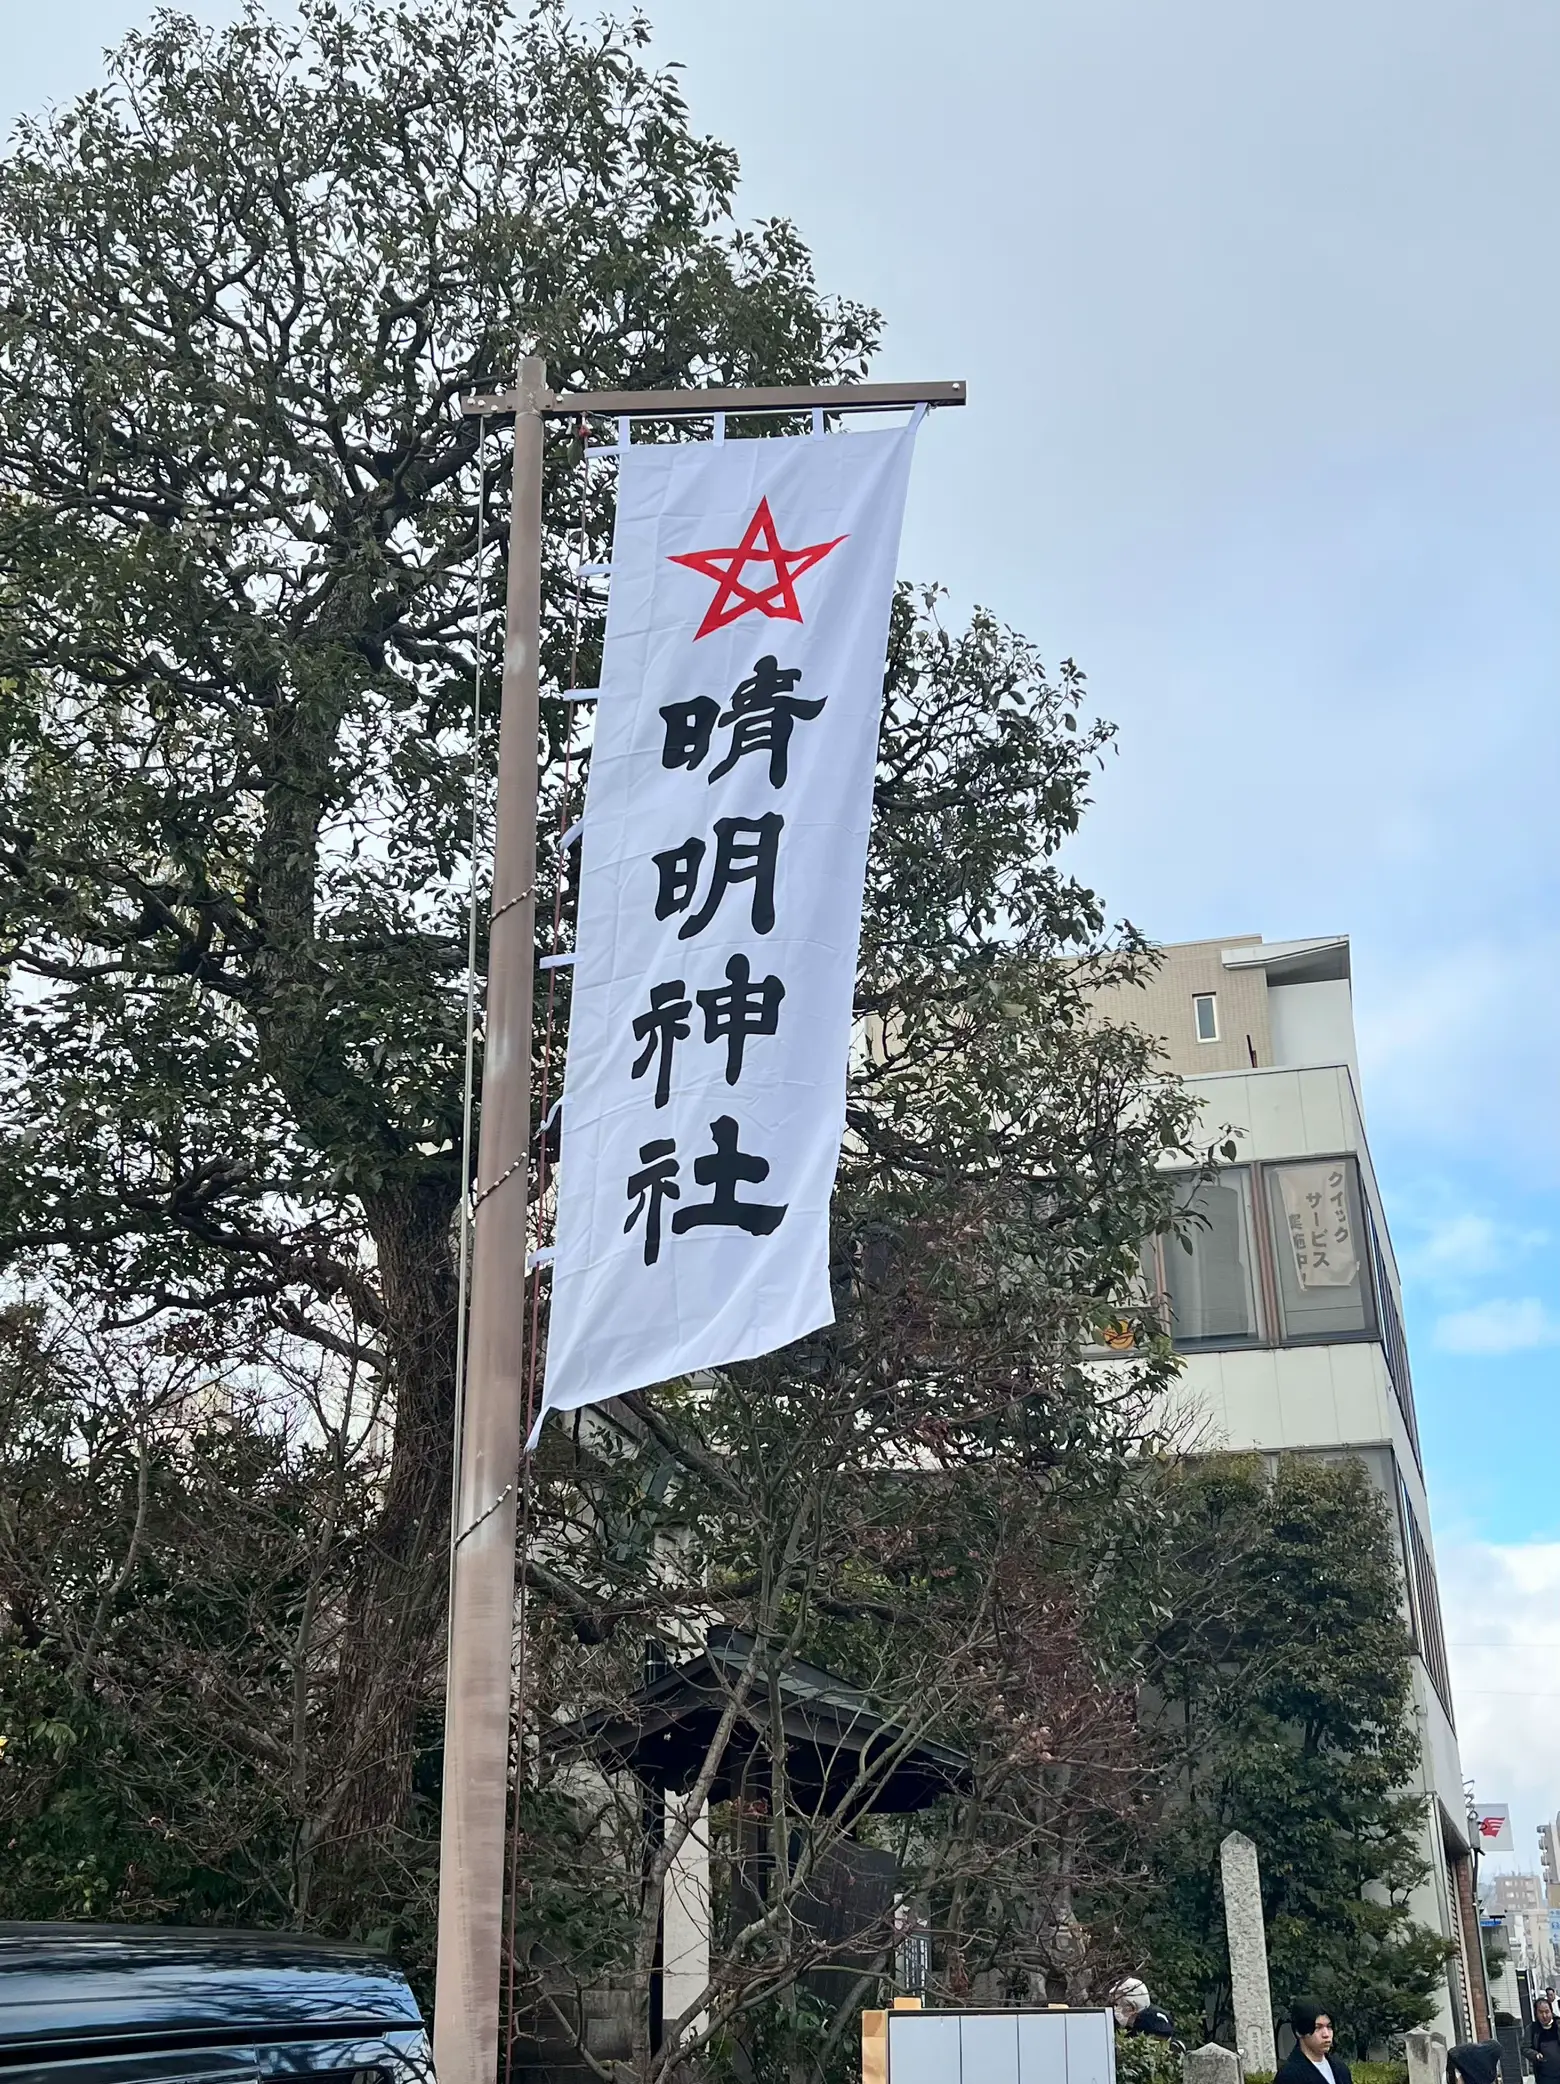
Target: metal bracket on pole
[[713, 404]]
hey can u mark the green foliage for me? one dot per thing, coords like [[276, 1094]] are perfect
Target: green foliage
[[1362, 2073], [1284, 1681], [246, 286], [1143, 2058], [173, 1559], [238, 510]]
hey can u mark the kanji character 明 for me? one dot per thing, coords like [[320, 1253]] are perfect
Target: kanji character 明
[[740, 1008], [655, 1182], [747, 850], [723, 1169]]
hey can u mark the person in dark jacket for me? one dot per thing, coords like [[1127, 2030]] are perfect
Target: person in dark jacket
[[1311, 2060], [1136, 2011], [1476, 2062], [1155, 2021], [1544, 2043]]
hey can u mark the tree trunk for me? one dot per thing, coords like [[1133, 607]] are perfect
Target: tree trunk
[[393, 1639]]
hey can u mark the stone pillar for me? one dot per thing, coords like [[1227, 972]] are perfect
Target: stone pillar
[[685, 1919], [1426, 2053], [1211, 2064], [1248, 1954]]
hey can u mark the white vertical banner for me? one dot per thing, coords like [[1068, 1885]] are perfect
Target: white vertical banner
[[724, 853]]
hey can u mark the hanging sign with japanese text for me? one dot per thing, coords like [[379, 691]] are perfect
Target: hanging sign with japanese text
[[1321, 1231], [724, 853]]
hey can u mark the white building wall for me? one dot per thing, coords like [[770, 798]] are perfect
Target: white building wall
[[1277, 1399], [1324, 1398], [1312, 1024]]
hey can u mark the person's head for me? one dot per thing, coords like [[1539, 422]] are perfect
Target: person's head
[[1131, 1997], [1478, 2062], [1312, 2023], [1544, 2012]]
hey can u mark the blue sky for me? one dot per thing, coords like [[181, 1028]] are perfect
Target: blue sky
[[1258, 310]]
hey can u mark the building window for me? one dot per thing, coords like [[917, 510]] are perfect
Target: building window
[[1206, 1265], [1319, 1251], [1205, 1015], [1278, 1255], [1393, 1343], [1424, 1602]]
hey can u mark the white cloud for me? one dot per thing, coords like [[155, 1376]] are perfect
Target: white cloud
[[1498, 1326], [1460, 1245], [1441, 1069], [1502, 1612]]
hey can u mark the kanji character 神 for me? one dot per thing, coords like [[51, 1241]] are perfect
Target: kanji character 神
[[655, 1182], [740, 1008], [747, 850], [664, 1025], [722, 1169]]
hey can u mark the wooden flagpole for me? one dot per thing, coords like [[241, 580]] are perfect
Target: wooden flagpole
[[492, 1400], [492, 1422]]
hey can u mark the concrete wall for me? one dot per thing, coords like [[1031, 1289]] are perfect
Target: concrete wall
[[1283, 1113]]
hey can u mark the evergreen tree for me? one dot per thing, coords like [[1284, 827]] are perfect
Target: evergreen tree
[[246, 286], [1285, 1696]]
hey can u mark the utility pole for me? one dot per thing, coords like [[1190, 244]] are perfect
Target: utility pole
[[491, 1403]]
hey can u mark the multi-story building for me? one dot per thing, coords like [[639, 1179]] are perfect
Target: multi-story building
[[1288, 1310], [1549, 1860], [1521, 1901]]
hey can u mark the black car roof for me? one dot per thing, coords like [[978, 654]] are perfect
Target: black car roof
[[124, 1982]]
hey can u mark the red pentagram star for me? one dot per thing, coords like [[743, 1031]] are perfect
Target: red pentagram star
[[760, 544]]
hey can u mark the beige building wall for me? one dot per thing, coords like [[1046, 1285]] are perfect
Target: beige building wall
[[1275, 1003], [1162, 1006]]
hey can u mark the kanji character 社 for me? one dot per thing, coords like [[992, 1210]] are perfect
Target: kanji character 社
[[655, 1182], [722, 1169]]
